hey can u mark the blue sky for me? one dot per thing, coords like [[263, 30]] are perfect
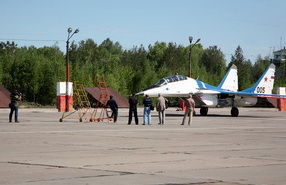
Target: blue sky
[[256, 25]]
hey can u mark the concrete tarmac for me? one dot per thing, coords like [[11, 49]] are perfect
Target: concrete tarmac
[[215, 150]]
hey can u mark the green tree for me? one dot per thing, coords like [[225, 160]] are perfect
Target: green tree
[[156, 54], [260, 66], [214, 62], [175, 58], [7, 56], [51, 71], [198, 71], [145, 70], [245, 78]]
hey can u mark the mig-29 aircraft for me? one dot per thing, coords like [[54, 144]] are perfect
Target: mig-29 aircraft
[[208, 96]]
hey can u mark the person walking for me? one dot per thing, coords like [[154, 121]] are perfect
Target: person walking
[[161, 107], [133, 109], [147, 102], [15, 97], [113, 106], [190, 106]]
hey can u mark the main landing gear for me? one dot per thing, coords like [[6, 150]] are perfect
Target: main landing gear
[[234, 111], [204, 111]]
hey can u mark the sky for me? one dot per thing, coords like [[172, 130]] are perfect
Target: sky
[[258, 26]]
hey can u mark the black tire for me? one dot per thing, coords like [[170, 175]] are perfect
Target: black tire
[[204, 111], [234, 112], [61, 120], [80, 120]]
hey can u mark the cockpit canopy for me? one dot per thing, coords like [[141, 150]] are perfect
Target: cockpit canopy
[[165, 81], [170, 79]]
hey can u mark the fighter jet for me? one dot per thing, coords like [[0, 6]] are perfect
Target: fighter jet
[[208, 96]]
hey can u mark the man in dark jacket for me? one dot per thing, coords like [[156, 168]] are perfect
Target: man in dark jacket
[[113, 106], [147, 102], [14, 105], [133, 108]]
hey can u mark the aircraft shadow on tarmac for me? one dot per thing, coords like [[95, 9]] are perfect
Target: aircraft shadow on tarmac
[[209, 115], [215, 115]]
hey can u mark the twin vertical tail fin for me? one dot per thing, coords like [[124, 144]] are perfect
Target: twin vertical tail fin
[[265, 83], [230, 80]]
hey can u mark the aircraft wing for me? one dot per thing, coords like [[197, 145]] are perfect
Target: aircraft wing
[[250, 94], [198, 92]]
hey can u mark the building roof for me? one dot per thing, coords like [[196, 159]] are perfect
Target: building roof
[[4, 97], [122, 102], [280, 51]]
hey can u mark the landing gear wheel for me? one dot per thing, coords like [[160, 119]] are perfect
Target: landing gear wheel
[[204, 111], [61, 120], [80, 120], [234, 111]]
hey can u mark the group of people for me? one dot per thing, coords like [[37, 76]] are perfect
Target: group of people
[[161, 106]]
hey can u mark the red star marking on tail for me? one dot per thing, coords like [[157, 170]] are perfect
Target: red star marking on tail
[[265, 79]]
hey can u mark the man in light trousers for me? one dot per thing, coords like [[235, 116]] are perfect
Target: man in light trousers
[[161, 107], [190, 107]]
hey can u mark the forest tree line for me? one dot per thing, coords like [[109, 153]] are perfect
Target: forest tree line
[[35, 71]]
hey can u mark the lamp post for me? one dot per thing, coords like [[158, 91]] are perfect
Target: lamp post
[[67, 65], [190, 53]]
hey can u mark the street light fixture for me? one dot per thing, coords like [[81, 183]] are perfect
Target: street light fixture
[[190, 53], [67, 65], [67, 52]]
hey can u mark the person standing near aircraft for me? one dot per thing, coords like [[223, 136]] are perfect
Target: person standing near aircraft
[[133, 108], [113, 106], [190, 106], [161, 107], [14, 105], [147, 109]]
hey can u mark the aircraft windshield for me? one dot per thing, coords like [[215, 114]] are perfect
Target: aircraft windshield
[[170, 79], [161, 82], [183, 77]]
